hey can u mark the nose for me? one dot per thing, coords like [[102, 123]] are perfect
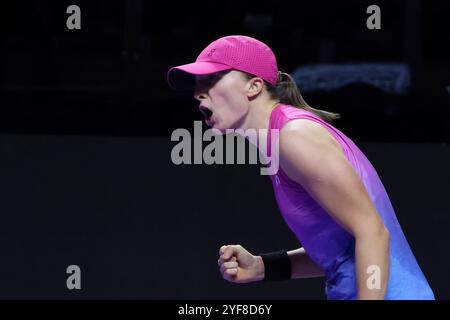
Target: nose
[[200, 96]]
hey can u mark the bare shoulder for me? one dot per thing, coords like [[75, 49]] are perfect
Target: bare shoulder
[[309, 153], [309, 131]]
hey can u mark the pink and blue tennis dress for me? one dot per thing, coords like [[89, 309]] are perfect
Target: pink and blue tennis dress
[[325, 241]]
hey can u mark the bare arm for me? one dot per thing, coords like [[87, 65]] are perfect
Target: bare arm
[[309, 158], [303, 266]]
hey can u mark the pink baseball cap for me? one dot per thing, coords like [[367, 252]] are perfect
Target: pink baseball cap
[[231, 52]]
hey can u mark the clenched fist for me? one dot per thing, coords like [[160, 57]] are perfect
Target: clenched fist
[[240, 266]]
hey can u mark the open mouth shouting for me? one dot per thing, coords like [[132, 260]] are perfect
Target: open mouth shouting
[[207, 114]]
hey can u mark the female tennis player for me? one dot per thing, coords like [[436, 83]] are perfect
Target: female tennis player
[[328, 192]]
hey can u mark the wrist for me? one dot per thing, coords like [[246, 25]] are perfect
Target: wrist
[[277, 266], [259, 268]]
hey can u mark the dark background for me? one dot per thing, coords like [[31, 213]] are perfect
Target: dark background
[[85, 124]]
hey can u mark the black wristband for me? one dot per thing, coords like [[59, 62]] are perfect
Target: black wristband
[[277, 266]]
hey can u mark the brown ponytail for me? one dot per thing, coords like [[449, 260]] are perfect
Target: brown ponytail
[[287, 92]]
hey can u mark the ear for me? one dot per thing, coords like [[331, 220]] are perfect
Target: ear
[[255, 86]]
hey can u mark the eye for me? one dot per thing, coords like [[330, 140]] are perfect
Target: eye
[[205, 81], [208, 81]]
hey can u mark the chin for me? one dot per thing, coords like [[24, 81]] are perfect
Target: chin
[[223, 128], [220, 126], [218, 129]]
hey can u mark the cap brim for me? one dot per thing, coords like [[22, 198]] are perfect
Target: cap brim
[[183, 77]]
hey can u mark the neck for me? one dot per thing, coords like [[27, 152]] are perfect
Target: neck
[[258, 119], [259, 115]]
